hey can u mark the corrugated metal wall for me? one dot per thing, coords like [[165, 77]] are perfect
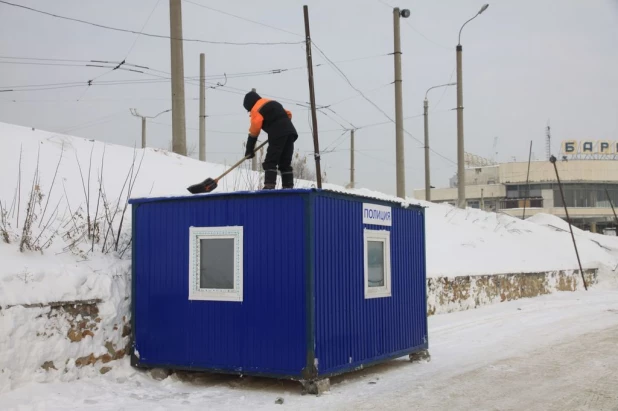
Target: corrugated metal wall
[[266, 333], [352, 330]]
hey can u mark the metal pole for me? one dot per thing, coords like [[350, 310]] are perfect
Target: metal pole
[[611, 204], [202, 107], [482, 200], [527, 182], [461, 176], [254, 164], [179, 132], [351, 158], [314, 118], [399, 149], [143, 132], [426, 115], [427, 178], [552, 159]]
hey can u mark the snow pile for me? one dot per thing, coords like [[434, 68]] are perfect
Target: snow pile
[[63, 202]]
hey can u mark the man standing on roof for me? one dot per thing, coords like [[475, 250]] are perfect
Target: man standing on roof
[[270, 116]]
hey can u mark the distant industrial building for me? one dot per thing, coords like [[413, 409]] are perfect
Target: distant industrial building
[[589, 175]]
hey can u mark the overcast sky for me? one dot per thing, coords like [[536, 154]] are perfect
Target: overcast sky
[[525, 62]]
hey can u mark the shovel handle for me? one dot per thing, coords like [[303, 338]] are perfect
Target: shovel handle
[[240, 162]]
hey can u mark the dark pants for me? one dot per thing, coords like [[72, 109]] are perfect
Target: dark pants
[[279, 156]]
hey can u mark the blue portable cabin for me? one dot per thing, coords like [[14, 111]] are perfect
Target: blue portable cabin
[[298, 284]]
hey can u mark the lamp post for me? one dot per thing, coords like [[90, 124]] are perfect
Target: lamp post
[[461, 178], [426, 115]]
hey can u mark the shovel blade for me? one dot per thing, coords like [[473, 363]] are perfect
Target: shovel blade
[[205, 186]]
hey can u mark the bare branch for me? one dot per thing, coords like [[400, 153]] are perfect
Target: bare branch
[[49, 220], [52, 184], [84, 188], [88, 198], [96, 213], [19, 186], [69, 206], [26, 237], [129, 191]]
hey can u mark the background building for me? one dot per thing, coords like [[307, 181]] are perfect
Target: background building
[[502, 187]]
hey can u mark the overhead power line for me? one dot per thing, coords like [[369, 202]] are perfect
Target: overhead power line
[[337, 69], [242, 18], [102, 26]]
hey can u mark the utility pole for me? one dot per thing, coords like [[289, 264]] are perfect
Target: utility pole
[[427, 182], [426, 115], [135, 113], [314, 117], [254, 163], [352, 158], [461, 170], [527, 182], [461, 176], [179, 131], [482, 201], [202, 107], [143, 132], [399, 149], [548, 141]]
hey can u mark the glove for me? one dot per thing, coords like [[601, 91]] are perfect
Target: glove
[[249, 152]]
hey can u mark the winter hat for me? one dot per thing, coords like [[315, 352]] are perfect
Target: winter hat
[[250, 99]]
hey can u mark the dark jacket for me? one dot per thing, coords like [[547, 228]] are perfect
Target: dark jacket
[[268, 115]]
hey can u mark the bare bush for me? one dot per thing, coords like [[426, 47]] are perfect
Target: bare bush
[[303, 170], [4, 224], [34, 198]]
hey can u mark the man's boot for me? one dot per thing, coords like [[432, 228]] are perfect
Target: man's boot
[[287, 179], [270, 179]]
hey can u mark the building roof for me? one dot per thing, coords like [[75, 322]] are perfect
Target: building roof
[[360, 194]]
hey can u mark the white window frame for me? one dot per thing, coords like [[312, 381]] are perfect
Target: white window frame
[[212, 294], [385, 237]]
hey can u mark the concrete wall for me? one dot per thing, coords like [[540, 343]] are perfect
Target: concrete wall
[[445, 295]]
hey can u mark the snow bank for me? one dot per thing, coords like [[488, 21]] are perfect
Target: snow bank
[[76, 245]]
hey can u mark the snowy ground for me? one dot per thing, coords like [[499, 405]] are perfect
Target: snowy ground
[[66, 262], [557, 352]]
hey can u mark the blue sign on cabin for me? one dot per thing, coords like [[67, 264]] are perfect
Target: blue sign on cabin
[[298, 284]]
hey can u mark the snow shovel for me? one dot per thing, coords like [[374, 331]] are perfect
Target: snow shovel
[[210, 184]]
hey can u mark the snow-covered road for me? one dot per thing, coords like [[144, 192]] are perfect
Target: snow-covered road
[[558, 352]]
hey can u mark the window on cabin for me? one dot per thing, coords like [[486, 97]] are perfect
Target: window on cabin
[[216, 264], [377, 257]]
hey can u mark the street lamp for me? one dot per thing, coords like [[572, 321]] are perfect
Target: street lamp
[[426, 115], [461, 178], [136, 114], [399, 153]]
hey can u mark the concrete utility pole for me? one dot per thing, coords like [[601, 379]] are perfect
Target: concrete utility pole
[[399, 149], [351, 158], [143, 132], [426, 115], [202, 107], [314, 117], [179, 131], [461, 170], [254, 164], [426, 126], [136, 114]]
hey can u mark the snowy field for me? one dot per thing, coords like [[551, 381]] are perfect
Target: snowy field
[[556, 352], [63, 201]]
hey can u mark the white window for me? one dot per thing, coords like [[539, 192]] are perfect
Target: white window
[[215, 263], [377, 263]]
